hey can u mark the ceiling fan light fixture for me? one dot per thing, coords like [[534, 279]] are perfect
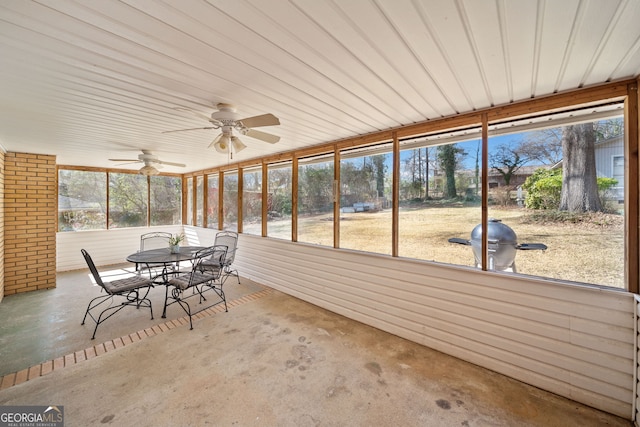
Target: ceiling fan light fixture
[[237, 144], [220, 147], [148, 170], [215, 141], [221, 144]]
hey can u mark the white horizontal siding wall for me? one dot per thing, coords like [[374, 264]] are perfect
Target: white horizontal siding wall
[[636, 397], [575, 341], [604, 154], [106, 247]]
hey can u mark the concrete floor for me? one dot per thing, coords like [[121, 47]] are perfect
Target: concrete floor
[[272, 360]]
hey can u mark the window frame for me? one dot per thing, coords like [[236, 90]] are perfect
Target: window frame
[[106, 173]]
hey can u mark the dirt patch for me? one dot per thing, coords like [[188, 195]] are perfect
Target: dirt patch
[[587, 220]]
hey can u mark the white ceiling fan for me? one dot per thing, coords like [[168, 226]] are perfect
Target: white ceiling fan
[[149, 159], [227, 119]]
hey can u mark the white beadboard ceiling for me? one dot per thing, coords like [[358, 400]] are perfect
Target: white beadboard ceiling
[[93, 80]]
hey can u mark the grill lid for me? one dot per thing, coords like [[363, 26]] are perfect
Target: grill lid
[[502, 245], [498, 233]]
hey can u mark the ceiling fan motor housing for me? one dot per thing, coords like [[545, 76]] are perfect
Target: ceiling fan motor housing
[[226, 115], [147, 157]]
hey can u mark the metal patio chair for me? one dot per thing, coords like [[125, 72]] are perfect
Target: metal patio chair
[[153, 240], [230, 240], [181, 286], [132, 291]]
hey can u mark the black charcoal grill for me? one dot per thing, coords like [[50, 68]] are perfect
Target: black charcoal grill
[[502, 244]]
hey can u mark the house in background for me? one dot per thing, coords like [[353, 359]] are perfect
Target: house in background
[[610, 163], [496, 179]]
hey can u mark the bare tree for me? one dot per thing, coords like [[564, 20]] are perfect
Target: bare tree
[[426, 173], [579, 179], [609, 128], [411, 168], [542, 146], [417, 164], [507, 160], [477, 169], [379, 171]]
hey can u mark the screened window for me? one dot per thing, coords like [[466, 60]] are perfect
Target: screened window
[[82, 200], [252, 201], [83, 204], [557, 181], [315, 200], [166, 200], [556, 184], [190, 199], [365, 199], [230, 201], [200, 201], [439, 199], [279, 200], [212, 201], [127, 200]]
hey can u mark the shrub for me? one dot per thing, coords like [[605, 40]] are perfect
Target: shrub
[[605, 184], [543, 189], [502, 195]]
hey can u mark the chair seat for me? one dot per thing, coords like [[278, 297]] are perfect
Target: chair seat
[[128, 284], [200, 280], [183, 281], [210, 265]]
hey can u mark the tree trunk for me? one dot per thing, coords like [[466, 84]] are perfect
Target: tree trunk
[[448, 161], [419, 152], [426, 173], [450, 189], [579, 179], [478, 169]]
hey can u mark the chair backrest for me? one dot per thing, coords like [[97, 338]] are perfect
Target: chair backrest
[[92, 268], [209, 257], [230, 240], [154, 240]]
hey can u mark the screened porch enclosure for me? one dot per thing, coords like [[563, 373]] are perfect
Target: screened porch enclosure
[[368, 239]]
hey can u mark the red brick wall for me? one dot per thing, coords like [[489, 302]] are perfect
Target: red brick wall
[[30, 206], [1, 225]]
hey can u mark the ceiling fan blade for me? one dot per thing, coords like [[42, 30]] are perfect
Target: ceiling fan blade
[[180, 165], [184, 130], [189, 110], [202, 116], [263, 136], [125, 160], [262, 120]]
